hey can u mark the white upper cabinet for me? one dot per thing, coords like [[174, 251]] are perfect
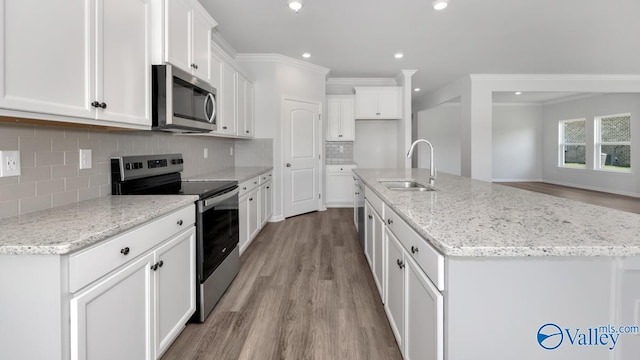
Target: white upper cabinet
[[71, 58], [187, 42], [340, 122], [123, 75], [227, 96], [245, 107], [378, 103]]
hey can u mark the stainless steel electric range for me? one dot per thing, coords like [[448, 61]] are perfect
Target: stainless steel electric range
[[217, 226]]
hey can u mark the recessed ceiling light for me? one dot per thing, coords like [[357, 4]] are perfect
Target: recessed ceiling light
[[518, 92], [398, 55], [440, 4], [295, 5], [306, 55], [416, 89]]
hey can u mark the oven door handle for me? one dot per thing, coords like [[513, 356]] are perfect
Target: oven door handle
[[213, 201]]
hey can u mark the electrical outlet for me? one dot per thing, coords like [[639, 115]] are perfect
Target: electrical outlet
[[85, 159], [10, 165], [206, 153]]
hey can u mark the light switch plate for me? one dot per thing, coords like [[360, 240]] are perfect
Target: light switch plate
[[85, 159], [10, 163]]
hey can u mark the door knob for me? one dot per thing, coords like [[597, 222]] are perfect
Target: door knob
[[288, 165]]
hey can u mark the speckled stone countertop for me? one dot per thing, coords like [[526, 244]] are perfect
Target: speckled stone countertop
[[64, 229], [235, 173], [466, 217]]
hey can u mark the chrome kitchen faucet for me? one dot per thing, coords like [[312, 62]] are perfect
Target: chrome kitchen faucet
[[432, 169]]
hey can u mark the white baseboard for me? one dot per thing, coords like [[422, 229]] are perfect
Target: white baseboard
[[340, 204], [276, 218]]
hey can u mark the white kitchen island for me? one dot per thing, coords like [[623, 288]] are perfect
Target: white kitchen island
[[475, 270]]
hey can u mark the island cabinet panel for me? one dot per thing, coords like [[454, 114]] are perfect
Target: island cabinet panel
[[368, 233], [395, 288], [374, 240], [511, 299]]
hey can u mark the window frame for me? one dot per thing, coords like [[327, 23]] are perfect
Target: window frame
[[599, 143], [563, 144]]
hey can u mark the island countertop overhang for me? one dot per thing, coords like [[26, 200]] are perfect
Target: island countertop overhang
[[472, 218]]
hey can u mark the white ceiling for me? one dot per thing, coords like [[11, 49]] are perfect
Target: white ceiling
[[357, 38]]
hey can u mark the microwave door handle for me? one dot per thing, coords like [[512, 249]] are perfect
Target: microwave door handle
[[213, 106]]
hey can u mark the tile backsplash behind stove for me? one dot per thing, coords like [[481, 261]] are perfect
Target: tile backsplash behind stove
[[50, 161], [338, 152]]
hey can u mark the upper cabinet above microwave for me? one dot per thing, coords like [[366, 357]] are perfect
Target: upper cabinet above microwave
[[378, 102], [76, 61], [182, 36]]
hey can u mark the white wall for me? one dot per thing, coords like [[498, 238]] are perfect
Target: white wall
[[517, 142], [623, 183], [441, 127], [276, 77]]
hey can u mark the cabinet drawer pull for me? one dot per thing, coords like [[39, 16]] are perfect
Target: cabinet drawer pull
[[389, 221], [179, 222], [400, 263], [224, 128], [370, 217], [161, 263], [414, 249], [268, 187], [250, 199], [154, 267], [124, 251]]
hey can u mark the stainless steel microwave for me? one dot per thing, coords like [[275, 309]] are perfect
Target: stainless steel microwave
[[181, 102]]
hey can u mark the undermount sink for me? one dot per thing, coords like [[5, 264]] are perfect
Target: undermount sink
[[408, 185]]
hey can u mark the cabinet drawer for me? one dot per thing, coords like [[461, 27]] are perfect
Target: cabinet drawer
[[265, 177], [425, 255], [248, 185], [90, 264], [341, 168], [375, 201]]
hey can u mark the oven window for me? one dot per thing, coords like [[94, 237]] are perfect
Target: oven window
[[220, 234]]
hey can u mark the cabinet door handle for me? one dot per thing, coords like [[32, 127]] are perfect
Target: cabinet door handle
[[95, 104], [224, 128], [288, 165], [154, 267], [339, 135], [244, 188], [389, 221], [161, 263], [247, 131], [124, 251], [103, 105], [268, 187], [370, 217], [194, 66], [414, 249], [180, 222], [357, 193], [250, 199], [377, 113], [400, 263]]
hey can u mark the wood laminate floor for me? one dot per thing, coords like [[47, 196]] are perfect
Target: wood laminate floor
[[614, 201], [304, 291]]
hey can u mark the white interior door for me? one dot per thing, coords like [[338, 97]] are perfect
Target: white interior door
[[301, 156]]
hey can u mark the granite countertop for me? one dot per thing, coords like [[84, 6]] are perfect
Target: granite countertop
[[466, 217], [234, 173], [64, 229]]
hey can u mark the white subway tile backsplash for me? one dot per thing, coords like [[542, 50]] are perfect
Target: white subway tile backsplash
[[76, 183], [9, 208], [64, 171], [47, 187], [37, 203], [49, 157], [35, 173]]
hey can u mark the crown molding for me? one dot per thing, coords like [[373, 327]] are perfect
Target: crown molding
[[362, 81], [584, 77], [282, 60], [223, 44]]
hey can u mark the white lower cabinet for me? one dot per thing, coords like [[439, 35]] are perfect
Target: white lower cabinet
[[266, 202], [113, 318], [378, 252], [424, 307], [368, 233], [251, 209], [395, 288], [339, 185], [137, 311]]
